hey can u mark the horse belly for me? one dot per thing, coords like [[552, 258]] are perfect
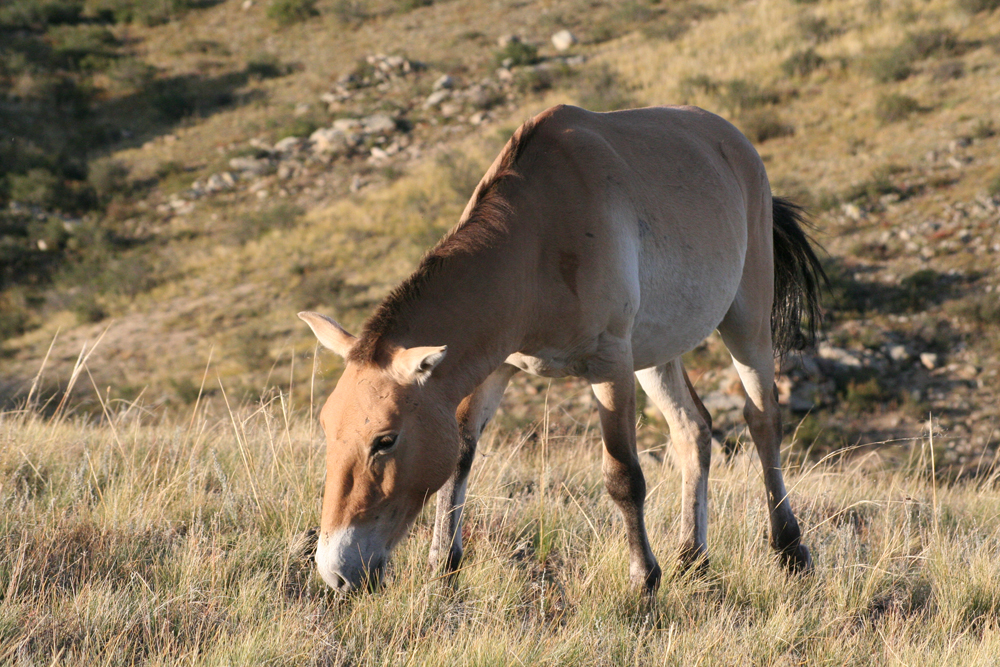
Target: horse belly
[[684, 298]]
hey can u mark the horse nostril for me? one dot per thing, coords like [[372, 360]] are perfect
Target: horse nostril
[[339, 582]]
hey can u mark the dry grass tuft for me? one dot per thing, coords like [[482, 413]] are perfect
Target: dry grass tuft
[[145, 539]]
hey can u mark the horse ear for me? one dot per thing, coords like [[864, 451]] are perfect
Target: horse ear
[[331, 335], [416, 363]]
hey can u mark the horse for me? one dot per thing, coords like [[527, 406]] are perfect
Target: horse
[[597, 245]]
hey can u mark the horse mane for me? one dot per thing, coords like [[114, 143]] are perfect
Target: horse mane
[[484, 226]]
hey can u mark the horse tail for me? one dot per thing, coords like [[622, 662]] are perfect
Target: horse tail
[[798, 275]]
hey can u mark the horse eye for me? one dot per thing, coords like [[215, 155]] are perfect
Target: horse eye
[[383, 443]]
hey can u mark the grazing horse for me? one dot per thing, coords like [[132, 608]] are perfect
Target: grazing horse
[[598, 245]]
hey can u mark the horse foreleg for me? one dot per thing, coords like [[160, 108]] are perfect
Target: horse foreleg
[[623, 475], [472, 415]]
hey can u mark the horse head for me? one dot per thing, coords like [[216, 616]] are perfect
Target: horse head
[[391, 443]]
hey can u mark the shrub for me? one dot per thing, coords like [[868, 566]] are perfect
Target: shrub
[[993, 189], [171, 98], [255, 225], [351, 12], [516, 54], [802, 63], [32, 14], [82, 47], [698, 83], [265, 65], [891, 65], [108, 178], [601, 90], [939, 41], [13, 315], [984, 129], [287, 12], [87, 309], [879, 184], [764, 124], [410, 5], [981, 308], [976, 6], [894, 107], [39, 187], [301, 126], [919, 289], [148, 12], [130, 75], [948, 70], [816, 28], [742, 95], [865, 396], [536, 80]]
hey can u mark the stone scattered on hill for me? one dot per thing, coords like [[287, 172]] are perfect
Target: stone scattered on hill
[[563, 40]]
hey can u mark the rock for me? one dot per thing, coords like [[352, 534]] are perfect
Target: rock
[[330, 140], [477, 118], [852, 211], [289, 145], [221, 181], [838, 355], [356, 183], [379, 123], [347, 125], [718, 401], [251, 166], [961, 142], [563, 40], [803, 397], [436, 98], [287, 170], [181, 206], [449, 109], [444, 83], [930, 360], [898, 353], [378, 154], [574, 61], [506, 40]]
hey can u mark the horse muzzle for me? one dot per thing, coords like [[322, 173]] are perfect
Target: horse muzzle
[[349, 560]]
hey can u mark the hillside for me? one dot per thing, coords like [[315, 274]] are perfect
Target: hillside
[[201, 217]]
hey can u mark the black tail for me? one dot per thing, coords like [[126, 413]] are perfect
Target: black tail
[[796, 313]]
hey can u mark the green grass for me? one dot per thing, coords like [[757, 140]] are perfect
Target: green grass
[[178, 541]]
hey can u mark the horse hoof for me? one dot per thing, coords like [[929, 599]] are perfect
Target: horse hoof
[[796, 559], [692, 559], [646, 582]]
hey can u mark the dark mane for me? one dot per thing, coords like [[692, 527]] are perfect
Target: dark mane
[[484, 226]]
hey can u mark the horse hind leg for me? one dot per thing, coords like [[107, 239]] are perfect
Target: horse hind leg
[[753, 357], [691, 435]]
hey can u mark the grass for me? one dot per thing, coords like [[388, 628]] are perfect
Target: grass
[[176, 540]]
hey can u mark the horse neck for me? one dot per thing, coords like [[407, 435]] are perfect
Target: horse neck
[[475, 304]]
